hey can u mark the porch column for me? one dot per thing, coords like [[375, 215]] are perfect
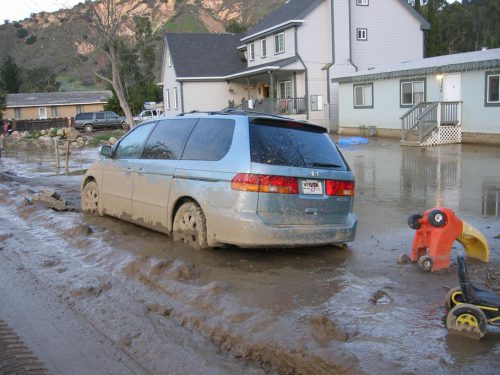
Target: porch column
[[271, 85]]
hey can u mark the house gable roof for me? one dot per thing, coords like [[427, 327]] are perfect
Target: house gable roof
[[56, 98], [460, 62], [205, 55], [292, 10]]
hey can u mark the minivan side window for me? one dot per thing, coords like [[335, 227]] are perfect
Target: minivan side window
[[84, 116], [99, 116], [168, 139], [130, 147], [210, 141]]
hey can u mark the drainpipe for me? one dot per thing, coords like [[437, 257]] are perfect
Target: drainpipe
[[350, 37], [306, 99], [182, 97]]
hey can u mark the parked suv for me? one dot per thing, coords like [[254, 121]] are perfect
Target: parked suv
[[230, 178], [148, 114], [90, 121]]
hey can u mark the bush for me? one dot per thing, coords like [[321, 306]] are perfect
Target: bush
[[21, 33], [31, 39]]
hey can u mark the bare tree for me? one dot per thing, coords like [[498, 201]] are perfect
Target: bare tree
[[108, 19]]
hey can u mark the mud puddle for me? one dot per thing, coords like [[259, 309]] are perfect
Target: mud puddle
[[309, 311]]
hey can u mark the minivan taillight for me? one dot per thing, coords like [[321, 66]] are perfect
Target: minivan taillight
[[340, 188], [265, 183]]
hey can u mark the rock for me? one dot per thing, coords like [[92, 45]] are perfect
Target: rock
[[44, 138], [44, 132], [380, 297], [51, 199], [26, 134], [60, 132], [16, 134], [72, 134]]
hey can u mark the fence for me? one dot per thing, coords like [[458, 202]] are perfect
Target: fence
[[37, 125]]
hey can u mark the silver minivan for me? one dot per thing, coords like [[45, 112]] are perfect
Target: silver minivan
[[227, 178]]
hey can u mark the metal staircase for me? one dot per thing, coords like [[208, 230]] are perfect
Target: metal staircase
[[431, 124]]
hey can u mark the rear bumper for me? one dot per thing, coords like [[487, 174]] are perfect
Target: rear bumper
[[246, 230]]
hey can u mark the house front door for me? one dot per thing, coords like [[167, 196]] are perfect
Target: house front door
[[452, 87]]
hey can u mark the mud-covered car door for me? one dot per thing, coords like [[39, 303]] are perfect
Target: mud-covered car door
[[118, 172], [153, 177]]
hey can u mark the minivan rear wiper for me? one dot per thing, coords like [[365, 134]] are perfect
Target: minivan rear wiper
[[325, 165]]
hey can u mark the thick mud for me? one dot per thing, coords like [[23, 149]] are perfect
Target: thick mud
[[175, 309]]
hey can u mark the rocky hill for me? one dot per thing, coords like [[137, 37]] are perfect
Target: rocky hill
[[58, 40]]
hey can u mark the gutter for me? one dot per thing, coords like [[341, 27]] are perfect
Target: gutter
[[271, 29]]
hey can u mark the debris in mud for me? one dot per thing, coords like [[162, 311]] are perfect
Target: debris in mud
[[380, 297], [404, 258], [49, 263], [159, 309], [51, 199], [324, 330], [497, 237], [91, 291], [5, 236]]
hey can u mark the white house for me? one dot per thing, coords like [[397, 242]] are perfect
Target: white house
[[285, 63], [438, 100]]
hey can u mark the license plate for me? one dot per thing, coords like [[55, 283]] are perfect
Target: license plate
[[312, 187]]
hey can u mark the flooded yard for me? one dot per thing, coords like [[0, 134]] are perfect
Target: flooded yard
[[160, 307]]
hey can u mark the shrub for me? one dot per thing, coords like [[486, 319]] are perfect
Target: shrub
[[31, 39], [21, 33]]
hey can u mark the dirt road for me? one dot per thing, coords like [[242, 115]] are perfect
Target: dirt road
[[97, 295]]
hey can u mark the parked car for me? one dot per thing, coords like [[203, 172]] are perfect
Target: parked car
[[148, 114], [90, 121], [227, 179]]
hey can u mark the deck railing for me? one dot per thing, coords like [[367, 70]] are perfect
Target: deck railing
[[288, 106]]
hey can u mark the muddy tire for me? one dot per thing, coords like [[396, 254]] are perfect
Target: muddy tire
[[190, 226], [467, 320], [425, 263], [453, 297], [88, 128], [437, 218], [90, 198]]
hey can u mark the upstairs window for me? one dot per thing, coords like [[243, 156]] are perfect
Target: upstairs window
[[363, 96], [167, 99], [362, 2], [362, 34], [279, 43], [492, 89], [263, 49], [412, 92], [251, 52], [176, 100]]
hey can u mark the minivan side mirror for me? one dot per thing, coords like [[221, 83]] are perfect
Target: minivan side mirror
[[105, 150]]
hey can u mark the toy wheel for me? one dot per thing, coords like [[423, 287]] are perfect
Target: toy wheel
[[425, 262], [467, 320], [437, 218], [413, 221], [453, 298]]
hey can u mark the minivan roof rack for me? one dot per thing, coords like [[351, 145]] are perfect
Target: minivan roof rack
[[239, 112]]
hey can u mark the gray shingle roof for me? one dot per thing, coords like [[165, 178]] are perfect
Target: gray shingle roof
[[57, 98], [205, 55], [468, 61]]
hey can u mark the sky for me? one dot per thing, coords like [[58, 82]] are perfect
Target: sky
[[16, 10]]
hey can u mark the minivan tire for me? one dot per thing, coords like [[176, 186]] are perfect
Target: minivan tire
[[90, 198], [88, 128], [190, 226]]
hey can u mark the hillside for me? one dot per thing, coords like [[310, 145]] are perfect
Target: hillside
[[57, 40]]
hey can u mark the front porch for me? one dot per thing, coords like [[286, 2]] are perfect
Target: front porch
[[432, 123]]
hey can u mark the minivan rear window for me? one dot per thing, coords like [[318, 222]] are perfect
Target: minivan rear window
[[294, 145]]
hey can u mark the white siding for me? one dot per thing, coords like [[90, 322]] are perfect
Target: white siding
[[210, 96], [314, 47], [394, 34], [271, 56], [169, 83], [341, 31]]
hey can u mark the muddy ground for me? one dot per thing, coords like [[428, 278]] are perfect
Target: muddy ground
[[92, 295]]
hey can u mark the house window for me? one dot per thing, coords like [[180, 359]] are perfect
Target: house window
[[251, 51], [169, 59], [316, 103], [285, 89], [492, 89], [362, 2], [362, 34], [279, 43], [363, 95], [54, 111], [17, 112], [79, 109], [263, 49], [176, 101], [167, 98], [412, 92], [42, 113]]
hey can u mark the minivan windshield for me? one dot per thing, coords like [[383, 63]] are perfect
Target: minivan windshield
[[293, 144]]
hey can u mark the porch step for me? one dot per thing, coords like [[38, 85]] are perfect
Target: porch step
[[410, 143]]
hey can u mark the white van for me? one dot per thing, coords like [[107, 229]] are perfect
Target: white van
[[148, 114]]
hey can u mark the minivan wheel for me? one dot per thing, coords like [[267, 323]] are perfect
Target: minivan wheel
[[88, 128], [90, 198], [190, 226]]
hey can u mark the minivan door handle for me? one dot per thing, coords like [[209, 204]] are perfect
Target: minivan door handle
[[311, 211]]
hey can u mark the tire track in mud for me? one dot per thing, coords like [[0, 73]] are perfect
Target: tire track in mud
[[15, 357]]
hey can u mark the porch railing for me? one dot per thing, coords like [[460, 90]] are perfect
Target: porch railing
[[288, 106], [424, 117]]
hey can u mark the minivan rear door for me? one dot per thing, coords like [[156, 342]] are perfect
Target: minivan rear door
[[308, 155]]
